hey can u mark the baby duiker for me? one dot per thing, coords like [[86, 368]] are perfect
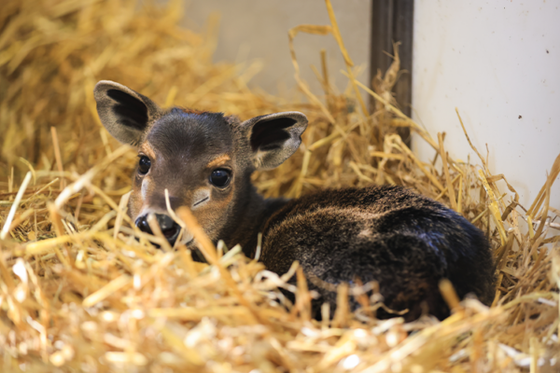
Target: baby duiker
[[405, 242]]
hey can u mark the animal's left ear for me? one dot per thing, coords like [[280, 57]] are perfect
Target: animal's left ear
[[125, 113], [274, 138]]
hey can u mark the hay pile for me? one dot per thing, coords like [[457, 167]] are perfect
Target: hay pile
[[78, 292]]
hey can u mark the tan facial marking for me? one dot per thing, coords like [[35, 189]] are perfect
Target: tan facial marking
[[365, 233], [145, 188], [200, 198], [218, 161], [147, 149]]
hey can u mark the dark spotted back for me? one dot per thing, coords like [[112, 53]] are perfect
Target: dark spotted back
[[404, 241]]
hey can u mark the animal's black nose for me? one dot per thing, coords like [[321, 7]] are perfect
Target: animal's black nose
[[168, 227]]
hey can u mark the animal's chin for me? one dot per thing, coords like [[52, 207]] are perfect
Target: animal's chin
[[187, 241], [195, 252], [172, 235]]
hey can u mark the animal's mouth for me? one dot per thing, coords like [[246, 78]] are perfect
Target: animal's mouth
[[171, 233], [169, 228]]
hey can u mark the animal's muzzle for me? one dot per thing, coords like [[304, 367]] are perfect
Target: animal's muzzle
[[168, 227]]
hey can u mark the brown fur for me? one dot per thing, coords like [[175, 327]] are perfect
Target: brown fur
[[193, 111]]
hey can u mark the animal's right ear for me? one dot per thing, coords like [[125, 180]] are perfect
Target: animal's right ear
[[274, 138], [125, 113]]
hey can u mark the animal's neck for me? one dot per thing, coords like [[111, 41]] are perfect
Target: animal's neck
[[251, 213]]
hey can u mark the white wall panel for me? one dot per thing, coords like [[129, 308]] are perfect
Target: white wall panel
[[498, 62], [258, 29]]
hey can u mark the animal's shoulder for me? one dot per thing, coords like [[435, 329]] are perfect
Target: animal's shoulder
[[371, 200], [381, 209]]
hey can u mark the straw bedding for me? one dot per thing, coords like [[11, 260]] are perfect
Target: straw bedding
[[78, 291]]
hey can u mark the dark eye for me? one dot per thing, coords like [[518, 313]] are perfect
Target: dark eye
[[220, 178], [144, 165]]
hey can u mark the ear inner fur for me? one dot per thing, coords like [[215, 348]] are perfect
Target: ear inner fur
[[133, 112], [269, 134]]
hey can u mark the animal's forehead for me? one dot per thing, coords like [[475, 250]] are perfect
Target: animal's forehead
[[198, 134]]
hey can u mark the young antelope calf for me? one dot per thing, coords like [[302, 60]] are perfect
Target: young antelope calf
[[404, 241]]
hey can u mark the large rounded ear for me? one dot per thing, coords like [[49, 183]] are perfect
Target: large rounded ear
[[124, 113], [274, 138]]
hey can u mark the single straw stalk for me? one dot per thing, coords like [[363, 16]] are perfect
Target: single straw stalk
[[15, 205]]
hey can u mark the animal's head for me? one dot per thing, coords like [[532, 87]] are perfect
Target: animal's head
[[203, 159]]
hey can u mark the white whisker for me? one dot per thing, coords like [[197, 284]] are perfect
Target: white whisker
[[202, 200]]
